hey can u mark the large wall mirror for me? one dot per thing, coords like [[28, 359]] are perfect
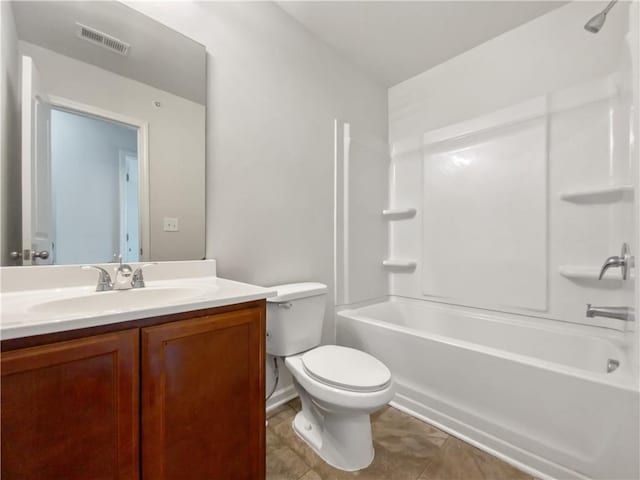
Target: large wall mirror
[[112, 135]]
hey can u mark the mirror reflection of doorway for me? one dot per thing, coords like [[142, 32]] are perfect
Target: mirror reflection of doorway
[[94, 170], [129, 234]]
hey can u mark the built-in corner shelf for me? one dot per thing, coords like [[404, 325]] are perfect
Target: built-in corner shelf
[[397, 264], [579, 272], [399, 213], [606, 194]]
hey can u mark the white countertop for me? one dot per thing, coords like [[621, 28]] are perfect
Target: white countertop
[[46, 310]]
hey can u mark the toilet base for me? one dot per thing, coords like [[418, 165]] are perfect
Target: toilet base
[[342, 440]]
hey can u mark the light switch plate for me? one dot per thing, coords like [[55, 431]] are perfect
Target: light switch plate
[[170, 224]]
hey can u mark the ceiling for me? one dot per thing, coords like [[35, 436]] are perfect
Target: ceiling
[[396, 40], [158, 56]]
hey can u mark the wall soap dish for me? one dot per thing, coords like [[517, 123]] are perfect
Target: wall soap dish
[[578, 272]]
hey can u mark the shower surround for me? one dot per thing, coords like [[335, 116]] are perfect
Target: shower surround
[[512, 177]]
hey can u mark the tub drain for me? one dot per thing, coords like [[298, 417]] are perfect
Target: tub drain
[[612, 365]]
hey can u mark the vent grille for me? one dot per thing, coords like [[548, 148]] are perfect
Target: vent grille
[[102, 39]]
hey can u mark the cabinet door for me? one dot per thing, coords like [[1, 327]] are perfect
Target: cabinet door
[[70, 409], [203, 398]]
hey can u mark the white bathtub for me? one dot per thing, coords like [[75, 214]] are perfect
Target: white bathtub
[[533, 392]]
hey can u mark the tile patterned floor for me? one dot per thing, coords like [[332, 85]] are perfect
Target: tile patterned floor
[[406, 449]]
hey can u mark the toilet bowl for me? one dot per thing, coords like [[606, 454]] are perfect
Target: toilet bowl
[[334, 420], [339, 387]]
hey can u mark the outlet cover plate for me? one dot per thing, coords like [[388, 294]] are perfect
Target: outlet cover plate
[[170, 224]]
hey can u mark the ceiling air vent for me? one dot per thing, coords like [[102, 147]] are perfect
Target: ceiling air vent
[[99, 38]]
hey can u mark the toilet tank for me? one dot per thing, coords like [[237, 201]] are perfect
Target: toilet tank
[[295, 317]]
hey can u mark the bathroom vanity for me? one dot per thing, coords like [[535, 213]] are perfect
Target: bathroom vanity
[[128, 394]]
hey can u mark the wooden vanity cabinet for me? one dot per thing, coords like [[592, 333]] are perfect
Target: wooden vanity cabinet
[[178, 397], [203, 398], [70, 409]]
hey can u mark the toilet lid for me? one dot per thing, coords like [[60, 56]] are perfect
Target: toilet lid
[[346, 368]]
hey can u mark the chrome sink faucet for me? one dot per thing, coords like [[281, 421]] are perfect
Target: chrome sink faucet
[[124, 274], [126, 278]]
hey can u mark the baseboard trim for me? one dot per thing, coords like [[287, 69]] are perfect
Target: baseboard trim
[[280, 397]]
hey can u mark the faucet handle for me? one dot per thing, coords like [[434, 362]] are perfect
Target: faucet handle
[[614, 261], [625, 260], [104, 279], [138, 278]]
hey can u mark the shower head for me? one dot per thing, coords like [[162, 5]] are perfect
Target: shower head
[[596, 22]]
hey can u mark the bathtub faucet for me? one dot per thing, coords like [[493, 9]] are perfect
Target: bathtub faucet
[[618, 313]]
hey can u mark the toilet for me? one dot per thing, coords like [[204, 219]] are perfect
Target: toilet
[[339, 387]]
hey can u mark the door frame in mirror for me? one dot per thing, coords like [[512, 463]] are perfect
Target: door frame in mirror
[[143, 159]]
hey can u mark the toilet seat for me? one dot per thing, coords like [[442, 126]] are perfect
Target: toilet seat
[[346, 368]]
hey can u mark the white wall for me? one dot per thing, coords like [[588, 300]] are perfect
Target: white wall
[[85, 168], [549, 53], [10, 203], [176, 144], [274, 91], [553, 59]]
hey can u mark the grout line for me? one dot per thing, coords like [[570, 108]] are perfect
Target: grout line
[[440, 448], [305, 472]]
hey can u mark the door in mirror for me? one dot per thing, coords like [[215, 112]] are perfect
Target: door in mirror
[[37, 214]]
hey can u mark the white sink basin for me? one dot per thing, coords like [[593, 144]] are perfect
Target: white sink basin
[[121, 300], [48, 299]]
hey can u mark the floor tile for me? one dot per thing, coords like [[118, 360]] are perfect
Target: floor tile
[[460, 461], [403, 446], [282, 462], [275, 411], [405, 449], [283, 413], [295, 404], [376, 414], [285, 432], [311, 475], [407, 436]]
